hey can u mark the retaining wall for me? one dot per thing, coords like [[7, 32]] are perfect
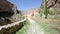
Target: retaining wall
[[11, 28]]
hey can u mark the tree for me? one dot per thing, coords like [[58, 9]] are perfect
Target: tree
[[45, 8]]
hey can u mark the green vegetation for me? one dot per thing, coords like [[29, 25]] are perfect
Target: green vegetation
[[45, 28], [24, 28], [46, 25], [51, 12], [45, 9], [40, 13]]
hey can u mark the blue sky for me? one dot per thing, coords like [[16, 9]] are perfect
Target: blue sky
[[26, 4]]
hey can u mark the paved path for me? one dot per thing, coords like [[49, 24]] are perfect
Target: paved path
[[34, 28]]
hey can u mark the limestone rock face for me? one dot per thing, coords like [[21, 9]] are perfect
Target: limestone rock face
[[51, 3], [7, 10], [33, 12], [58, 4], [5, 5]]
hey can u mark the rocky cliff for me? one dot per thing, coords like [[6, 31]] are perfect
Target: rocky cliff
[[32, 12], [52, 3], [7, 11], [7, 7]]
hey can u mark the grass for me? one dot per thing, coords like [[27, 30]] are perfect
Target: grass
[[45, 28], [24, 28], [45, 25]]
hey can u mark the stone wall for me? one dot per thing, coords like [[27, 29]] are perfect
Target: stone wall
[[12, 29]]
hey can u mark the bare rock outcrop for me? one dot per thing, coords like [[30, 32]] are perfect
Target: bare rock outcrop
[[50, 3], [33, 12], [7, 10]]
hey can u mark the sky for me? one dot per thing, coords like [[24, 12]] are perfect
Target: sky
[[26, 4]]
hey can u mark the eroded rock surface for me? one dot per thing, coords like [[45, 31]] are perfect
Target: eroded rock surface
[[7, 10]]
